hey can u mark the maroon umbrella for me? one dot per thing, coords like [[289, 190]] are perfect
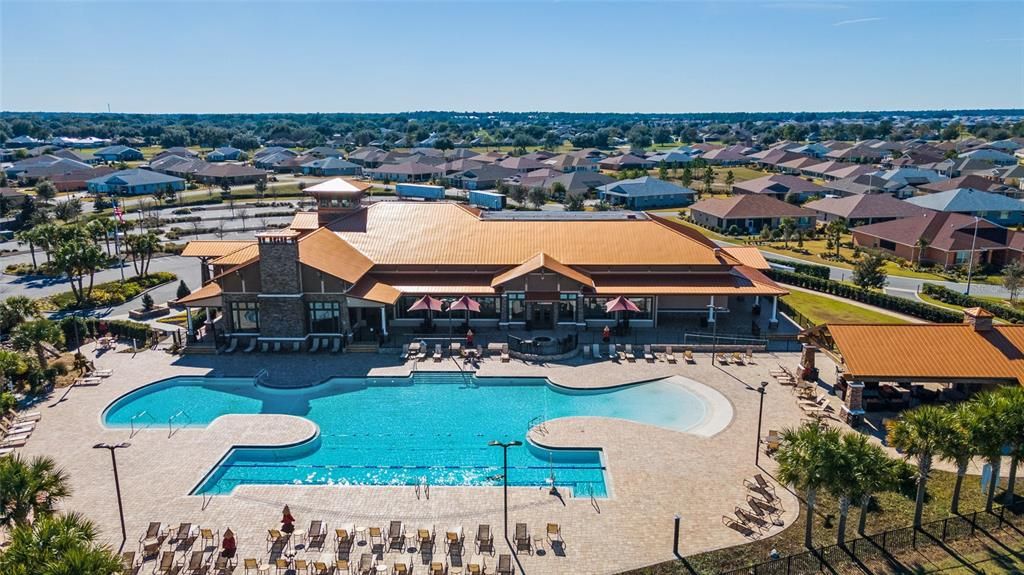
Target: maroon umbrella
[[465, 302], [620, 304], [429, 304]]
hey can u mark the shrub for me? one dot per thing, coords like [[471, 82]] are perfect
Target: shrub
[[815, 270], [108, 294], [182, 290], [946, 295], [147, 302]]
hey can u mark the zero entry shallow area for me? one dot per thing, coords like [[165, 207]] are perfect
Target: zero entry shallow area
[[428, 428]]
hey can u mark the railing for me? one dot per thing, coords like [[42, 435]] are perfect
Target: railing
[[261, 375], [423, 485], [880, 545], [170, 421], [137, 416]]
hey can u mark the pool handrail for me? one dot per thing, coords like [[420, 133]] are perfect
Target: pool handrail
[[136, 416], [170, 421]]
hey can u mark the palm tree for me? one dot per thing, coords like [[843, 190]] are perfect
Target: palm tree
[[877, 472], [802, 458], [61, 545], [32, 335], [16, 310], [11, 364], [1014, 398], [786, 226], [989, 435], [858, 469], [29, 237], [29, 488], [917, 434], [956, 445]]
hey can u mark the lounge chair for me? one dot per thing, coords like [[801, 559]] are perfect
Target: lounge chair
[[6, 451], [688, 356], [750, 355], [629, 352], [773, 441], [401, 567], [88, 381], [149, 543], [504, 353], [277, 347], [282, 566], [208, 537], [425, 539], [167, 564], [760, 506], [484, 539], [750, 519], [376, 533], [320, 568], [670, 356], [612, 352], [296, 346], [453, 541], [405, 352], [737, 358], [18, 427], [648, 354], [316, 535], [336, 346], [341, 567], [251, 347], [554, 533], [232, 345], [436, 568], [301, 566], [522, 539], [15, 441], [738, 527], [222, 565], [476, 566], [454, 349], [343, 539], [365, 564], [480, 351], [315, 345], [196, 564], [762, 483], [596, 351], [182, 535], [264, 347], [29, 416], [128, 563], [102, 372], [251, 566], [505, 565], [437, 352], [396, 537], [275, 538], [722, 359]]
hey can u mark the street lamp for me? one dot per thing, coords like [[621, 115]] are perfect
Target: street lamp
[[117, 485], [713, 313], [504, 450], [760, 412]]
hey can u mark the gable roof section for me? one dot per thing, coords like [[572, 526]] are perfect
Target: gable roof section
[[213, 248], [779, 183], [542, 261], [246, 255], [750, 206], [330, 254], [865, 206], [967, 200], [305, 221], [943, 230]]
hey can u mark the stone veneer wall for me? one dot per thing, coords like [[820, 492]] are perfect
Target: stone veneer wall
[[282, 317], [279, 274]]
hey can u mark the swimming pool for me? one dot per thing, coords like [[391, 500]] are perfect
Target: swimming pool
[[402, 431]]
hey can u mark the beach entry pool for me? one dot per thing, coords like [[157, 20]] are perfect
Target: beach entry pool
[[429, 427]]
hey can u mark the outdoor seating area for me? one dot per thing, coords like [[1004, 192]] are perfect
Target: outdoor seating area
[[397, 548], [15, 430], [763, 510], [311, 345]]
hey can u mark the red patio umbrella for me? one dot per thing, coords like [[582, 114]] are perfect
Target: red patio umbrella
[[426, 302], [465, 302], [620, 304]]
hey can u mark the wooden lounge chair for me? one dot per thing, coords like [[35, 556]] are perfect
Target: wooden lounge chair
[[436, 568], [554, 533], [343, 540], [196, 565], [167, 564], [425, 539], [396, 537], [400, 567], [437, 352], [505, 565], [737, 358], [722, 359], [453, 542], [504, 353], [341, 567], [275, 538], [739, 528], [688, 355], [670, 356], [251, 566], [484, 539], [365, 564], [629, 352], [316, 535], [522, 539]]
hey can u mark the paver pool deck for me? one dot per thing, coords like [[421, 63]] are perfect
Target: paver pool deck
[[653, 473]]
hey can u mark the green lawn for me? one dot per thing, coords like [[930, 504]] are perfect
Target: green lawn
[[820, 309]]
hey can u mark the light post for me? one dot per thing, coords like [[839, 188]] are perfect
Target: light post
[[713, 313], [504, 450], [760, 413], [117, 485], [970, 265]]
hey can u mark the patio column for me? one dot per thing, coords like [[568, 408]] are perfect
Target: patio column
[[383, 321], [188, 322], [711, 310], [774, 320]]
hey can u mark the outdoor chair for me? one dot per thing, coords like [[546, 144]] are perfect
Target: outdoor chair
[[365, 564], [275, 538], [251, 347], [183, 535], [505, 565], [343, 540], [772, 442], [251, 566], [437, 352], [596, 351], [504, 353], [629, 352], [282, 566], [166, 565], [208, 537], [738, 527], [522, 539], [405, 352], [453, 541], [476, 565], [222, 565], [751, 520], [316, 535], [484, 539], [425, 538], [670, 356], [320, 568], [737, 358], [341, 567], [376, 533], [300, 566], [277, 347], [232, 346], [196, 564], [554, 533], [400, 568], [396, 537], [688, 355], [128, 563], [264, 347], [336, 346], [436, 568], [149, 543], [315, 345], [648, 354]]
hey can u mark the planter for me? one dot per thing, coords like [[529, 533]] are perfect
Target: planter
[[142, 315]]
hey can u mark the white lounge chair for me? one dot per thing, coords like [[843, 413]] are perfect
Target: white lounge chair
[[277, 346], [315, 345], [586, 352], [296, 346], [405, 352], [612, 352], [251, 347], [264, 346], [231, 346], [88, 381], [629, 352], [101, 373], [597, 351], [504, 353], [670, 356], [16, 441], [437, 352], [28, 416], [648, 354], [337, 345]]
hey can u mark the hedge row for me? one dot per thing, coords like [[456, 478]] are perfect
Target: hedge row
[[92, 327], [109, 293], [905, 306], [815, 270], [946, 295]]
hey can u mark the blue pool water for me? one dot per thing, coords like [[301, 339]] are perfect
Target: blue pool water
[[400, 431]]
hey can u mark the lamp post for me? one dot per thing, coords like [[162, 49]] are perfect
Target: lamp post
[[117, 485], [713, 313], [760, 413], [504, 451], [970, 265]]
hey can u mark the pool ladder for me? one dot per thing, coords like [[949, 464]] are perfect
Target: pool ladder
[[261, 375], [423, 488], [170, 421], [540, 423], [137, 416]]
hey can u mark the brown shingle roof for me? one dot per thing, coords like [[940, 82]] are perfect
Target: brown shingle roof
[[865, 207], [750, 206], [944, 231]]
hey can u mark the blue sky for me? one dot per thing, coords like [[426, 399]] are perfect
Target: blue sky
[[234, 56]]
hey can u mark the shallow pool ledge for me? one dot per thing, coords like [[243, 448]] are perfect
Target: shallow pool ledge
[[718, 412], [262, 430]]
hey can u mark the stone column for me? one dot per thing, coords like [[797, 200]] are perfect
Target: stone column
[[853, 406], [774, 320], [711, 310], [383, 321]]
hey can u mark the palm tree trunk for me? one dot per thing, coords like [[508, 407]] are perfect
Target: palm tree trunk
[[32, 250], [844, 510], [865, 503], [993, 482], [808, 537], [961, 471], [924, 464], [41, 354], [1010, 496]]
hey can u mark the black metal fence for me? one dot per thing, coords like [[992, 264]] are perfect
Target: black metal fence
[[881, 546]]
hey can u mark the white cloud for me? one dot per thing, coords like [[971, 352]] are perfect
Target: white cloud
[[858, 21]]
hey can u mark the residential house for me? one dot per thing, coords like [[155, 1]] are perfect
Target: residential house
[[69, 154], [31, 170], [728, 156], [331, 166], [991, 156], [750, 213], [945, 239], [134, 182], [323, 152], [645, 193], [279, 161], [10, 200], [405, 172], [230, 174], [180, 151], [779, 186], [480, 177], [571, 163], [996, 208], [863, 209], [225, 154], [78, 179], [857, 185], [578, 183], [902, 182], [367, 157], [522, 165], [625, 162], [23, 142], [118, 153]]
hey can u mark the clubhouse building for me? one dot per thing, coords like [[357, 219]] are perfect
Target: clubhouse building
[[352, 270]]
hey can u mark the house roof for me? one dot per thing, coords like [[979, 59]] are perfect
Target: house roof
[[861, 184], [865, 206], [305, 221], [207, 296], [330, 163], [542, 261], [967, 200], [779, 184], [116, 149], [750, 206], [245, 255], [967, 181], [623, 160], [749, 256], [135, 177], [339, 186], [930, 351], [213, 248], [946, 231], [645, 186], [327, 252], [229, 171]]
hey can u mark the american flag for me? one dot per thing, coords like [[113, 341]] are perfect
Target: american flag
[[118, 213]]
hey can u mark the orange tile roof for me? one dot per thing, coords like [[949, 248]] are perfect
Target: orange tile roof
[[213, 248], [542, 261], [372, 289], [749, 256], [206, 296], [305, 221], [930, 351], [244, 255], [740, 281], [444, 234], [328, 253]]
